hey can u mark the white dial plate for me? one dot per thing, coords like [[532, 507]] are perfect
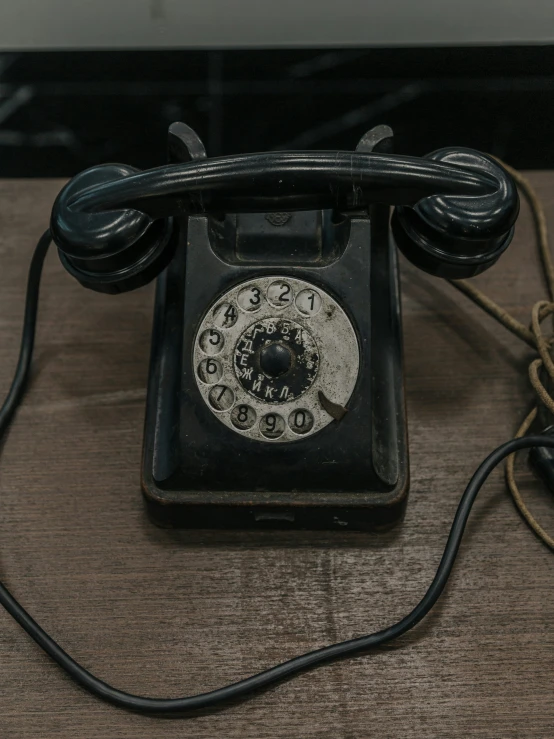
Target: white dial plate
[[318, 338]]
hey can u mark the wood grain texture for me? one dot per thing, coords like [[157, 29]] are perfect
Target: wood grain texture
[[166, 614]]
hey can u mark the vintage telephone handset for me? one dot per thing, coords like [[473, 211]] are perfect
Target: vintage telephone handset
[[275, 395]]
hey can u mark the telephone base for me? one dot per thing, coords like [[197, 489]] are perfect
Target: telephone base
[[350, 475]]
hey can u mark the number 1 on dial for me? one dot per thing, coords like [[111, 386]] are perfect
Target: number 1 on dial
[[308, 302]]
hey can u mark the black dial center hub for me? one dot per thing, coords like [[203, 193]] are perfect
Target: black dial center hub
[[275, 359]]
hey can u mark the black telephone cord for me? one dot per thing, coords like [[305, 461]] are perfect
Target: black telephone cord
[[246, 687]]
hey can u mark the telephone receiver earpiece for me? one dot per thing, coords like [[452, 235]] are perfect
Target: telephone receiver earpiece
[[111, 250], [113, 224], [459, 236]]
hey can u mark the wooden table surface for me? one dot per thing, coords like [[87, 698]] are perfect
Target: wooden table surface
[[171, 613]]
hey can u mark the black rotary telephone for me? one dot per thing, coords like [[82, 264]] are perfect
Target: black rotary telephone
[[275, 395]]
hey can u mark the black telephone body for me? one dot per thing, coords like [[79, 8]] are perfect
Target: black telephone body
[[275, 393]]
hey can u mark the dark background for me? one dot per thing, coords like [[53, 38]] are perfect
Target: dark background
[[63, 111]]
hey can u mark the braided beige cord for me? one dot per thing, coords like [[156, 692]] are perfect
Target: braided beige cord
[[539, 219], [514, 489], [494, 310], [534, 337]]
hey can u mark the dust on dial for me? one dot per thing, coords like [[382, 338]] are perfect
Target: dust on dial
[[273, 356]]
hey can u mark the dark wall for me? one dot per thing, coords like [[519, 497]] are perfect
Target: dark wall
[[61, 112]]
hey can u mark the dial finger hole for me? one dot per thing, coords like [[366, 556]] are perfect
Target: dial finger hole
[[279, 294], [272, 425], [210, 371], [308, 302], [225, 315], [250, 298], [211, 341], [243, 417], [221, 397], [301, 421]]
